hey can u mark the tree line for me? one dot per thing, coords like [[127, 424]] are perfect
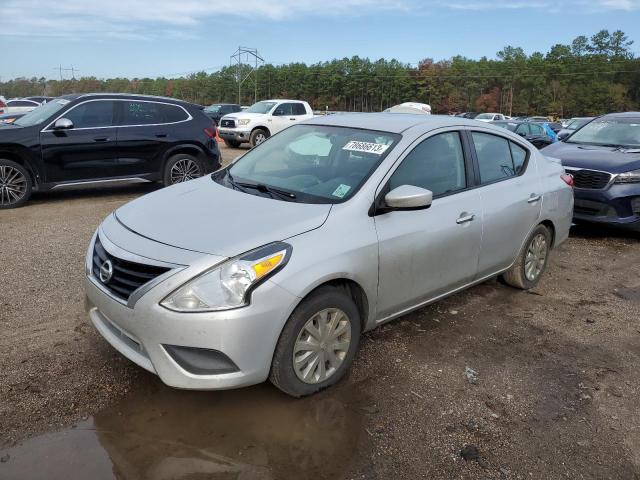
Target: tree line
[[589, 76]]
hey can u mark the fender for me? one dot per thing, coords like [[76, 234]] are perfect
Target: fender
[[23, 155], [262, 127]]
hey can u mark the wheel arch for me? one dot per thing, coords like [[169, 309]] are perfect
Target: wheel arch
[[186, 148], [552, 230], [261, 127], [12, 154]]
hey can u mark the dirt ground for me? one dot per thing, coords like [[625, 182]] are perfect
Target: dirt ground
[[540, 385]]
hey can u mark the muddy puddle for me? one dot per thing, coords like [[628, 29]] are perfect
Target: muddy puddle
[[253, 433]]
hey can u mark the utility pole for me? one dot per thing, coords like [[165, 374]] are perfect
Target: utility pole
[[242, 58]]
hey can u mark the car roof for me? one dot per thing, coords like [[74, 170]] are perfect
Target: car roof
[[391, 122], [133, 96], [282, 100], [622, 115]]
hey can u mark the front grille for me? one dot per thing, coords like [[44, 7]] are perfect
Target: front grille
[[127, 276], [591, 179], [227, 123]]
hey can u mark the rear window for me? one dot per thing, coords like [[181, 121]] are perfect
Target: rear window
[[151, 113], [498, 158], [174, 113]]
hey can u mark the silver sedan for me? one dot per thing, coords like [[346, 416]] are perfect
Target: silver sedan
[[274, 266]]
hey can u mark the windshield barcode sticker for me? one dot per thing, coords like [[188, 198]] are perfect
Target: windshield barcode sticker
[[355, 146]]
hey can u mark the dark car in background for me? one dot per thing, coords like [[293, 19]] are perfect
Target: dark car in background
[[604, 158], [533, 132], [86, 139], [218, 110]]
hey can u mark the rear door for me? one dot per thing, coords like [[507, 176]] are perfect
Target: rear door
[[145, 130], [87, 151], [510, 194], [425, 253]]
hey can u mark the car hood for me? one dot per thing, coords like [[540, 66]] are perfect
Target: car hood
[[204, 216], [239, 115], [594, 157]]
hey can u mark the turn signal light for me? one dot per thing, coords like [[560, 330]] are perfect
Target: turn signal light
[[568, 179]]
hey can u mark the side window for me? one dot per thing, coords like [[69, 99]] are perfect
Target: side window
[[436, 164], [174, 113], [498, 158], [141, 113], [523, 129], [519, 156], [91, 114], [284, 109], [298, 109], [536, 129]]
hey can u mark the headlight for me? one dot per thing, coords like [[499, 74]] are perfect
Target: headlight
[[628, 177], [244, 121], [229, 285]]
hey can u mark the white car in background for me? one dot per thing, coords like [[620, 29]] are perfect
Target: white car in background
[[263, 119], [410, 107], [20, 105], [490, 117]]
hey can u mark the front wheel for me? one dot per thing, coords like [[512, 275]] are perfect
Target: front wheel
[[318, 343], [525, 273], [257, 137], [181, 168], [232, 143], [15, 184]]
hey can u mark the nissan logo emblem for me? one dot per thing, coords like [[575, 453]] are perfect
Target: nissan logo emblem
[[106, 271]]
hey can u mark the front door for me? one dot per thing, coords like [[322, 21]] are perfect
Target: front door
[[88, 151], [282, 117], [425, 253]]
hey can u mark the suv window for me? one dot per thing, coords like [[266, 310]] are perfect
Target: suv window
[[284, 109], [495, 157], [98, 113], [173, 113], [21, 103], [298, 109], [523, 128], [142, 113], [436, 164]]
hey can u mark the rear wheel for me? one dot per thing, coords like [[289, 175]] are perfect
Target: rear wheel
[[532, 260], [258, 136], [15, 184], [318, 343], [232, 143], [182, 168]]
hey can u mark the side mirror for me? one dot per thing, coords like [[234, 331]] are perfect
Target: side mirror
[[563, 136], [408, 197], [63, 124], [522, 134], [278, 112]]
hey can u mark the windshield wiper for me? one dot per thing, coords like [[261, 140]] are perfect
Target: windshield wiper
[[261, 187]]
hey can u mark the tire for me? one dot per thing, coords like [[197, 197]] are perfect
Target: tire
[[532, 261], [181, 168], [15, 184], [327, 304], [258, 136], [231, 143]]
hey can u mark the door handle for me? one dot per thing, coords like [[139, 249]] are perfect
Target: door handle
[[533, 198], [100, 139], [465, 217], [161, 135], [291, 118]]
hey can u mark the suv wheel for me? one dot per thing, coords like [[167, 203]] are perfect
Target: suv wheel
[[258, 136], [15, 184], [232, 143], [532, 260], [318, 343], [181, 168]]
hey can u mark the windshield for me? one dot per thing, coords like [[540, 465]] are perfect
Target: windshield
[[508, 125], [623, 132], [485, 116], [315, 163], [261, 107], [577, 123], [41, 113], [213, 108]]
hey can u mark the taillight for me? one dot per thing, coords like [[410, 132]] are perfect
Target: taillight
[[211, 133], [567, 178]]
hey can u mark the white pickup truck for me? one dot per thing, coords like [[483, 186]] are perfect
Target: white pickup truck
[[262, 120]]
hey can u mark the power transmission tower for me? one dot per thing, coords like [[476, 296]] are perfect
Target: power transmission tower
[[73, 71], [245, 58]]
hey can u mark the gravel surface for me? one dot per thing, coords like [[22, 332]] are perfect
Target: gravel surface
[[489, 383]]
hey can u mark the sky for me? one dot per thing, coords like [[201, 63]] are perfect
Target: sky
[[150, 38]]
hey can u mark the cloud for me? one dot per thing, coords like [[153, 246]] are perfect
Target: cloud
[[180, 19]]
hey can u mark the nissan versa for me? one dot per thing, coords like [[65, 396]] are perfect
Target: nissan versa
[[274, 266], [604, 159]]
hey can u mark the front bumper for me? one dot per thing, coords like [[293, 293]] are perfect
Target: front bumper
[[617, 205], [234, 134], [147, 332]]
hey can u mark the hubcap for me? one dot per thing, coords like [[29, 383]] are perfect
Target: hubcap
[[260, 138], [184, 170], [536, 257], [13, 185], [322, 345]]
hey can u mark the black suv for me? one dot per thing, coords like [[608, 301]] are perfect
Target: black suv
[[97, 138], [218, 110]]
